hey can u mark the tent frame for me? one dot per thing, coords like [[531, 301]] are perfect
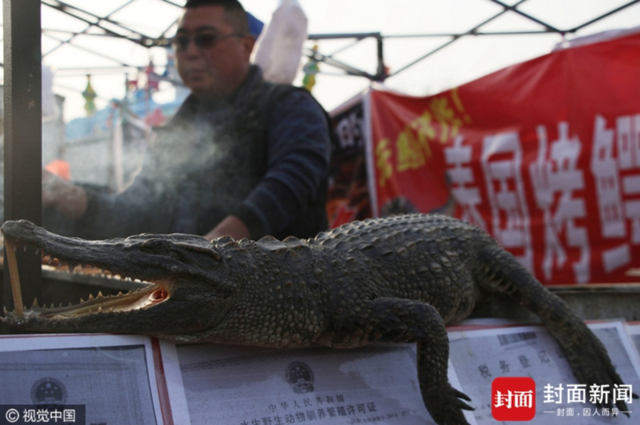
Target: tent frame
[[108, 27]]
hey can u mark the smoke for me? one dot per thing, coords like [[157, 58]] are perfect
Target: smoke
[[197, 175], [194, 173]]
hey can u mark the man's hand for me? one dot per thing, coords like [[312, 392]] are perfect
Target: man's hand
[[230, 226], [69, 199]]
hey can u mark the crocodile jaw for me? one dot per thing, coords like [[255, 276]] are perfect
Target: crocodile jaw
[[121, 303], [169, 305]]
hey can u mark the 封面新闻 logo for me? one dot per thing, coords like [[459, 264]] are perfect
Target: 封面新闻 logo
[[300, 376], [513, 399]]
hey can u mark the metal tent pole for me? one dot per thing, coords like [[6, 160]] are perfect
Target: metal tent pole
[[23, 134]]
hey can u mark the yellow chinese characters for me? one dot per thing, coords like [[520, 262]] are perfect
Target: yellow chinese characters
[[440, 122], [383, 162], [413, 152]]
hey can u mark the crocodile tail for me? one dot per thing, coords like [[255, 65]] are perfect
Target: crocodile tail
[[501, 272]]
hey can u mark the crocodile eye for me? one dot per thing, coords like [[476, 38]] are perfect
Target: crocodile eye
[[152, 245], [177, 255], [193, 257]]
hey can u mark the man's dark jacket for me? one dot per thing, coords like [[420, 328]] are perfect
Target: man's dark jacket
[[262, 155]]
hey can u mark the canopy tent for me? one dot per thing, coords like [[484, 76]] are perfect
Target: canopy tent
[[418, 47]]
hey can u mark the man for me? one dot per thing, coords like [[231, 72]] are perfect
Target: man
[[242, 157]]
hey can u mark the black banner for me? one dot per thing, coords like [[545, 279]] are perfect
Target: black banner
[[348, 198]]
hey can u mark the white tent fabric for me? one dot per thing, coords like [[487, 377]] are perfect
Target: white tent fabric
[[279, 48]]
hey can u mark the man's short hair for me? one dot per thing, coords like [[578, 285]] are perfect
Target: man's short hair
[[235, 15]]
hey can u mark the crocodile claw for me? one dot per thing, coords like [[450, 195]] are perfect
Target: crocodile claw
[[460, 394], [446, 407]]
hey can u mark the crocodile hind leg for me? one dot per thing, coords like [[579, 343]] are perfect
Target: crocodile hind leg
[[405, 321], [501, 272]]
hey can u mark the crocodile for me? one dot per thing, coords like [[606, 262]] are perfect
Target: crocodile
[[399, 279]]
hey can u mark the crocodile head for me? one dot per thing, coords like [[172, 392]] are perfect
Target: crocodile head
[[189, 289]]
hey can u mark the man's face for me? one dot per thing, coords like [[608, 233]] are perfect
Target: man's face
[[215, 70]]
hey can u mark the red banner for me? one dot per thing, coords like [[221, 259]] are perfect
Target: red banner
[[543, 155]]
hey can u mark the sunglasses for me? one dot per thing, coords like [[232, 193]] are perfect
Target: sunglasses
[[203, 41]]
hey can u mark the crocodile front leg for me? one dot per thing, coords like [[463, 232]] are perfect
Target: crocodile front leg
[[406, 321]]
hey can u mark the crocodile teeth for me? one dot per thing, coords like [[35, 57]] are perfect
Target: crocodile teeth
[[35, 302], [90, 296], [99, 294], [6, 312]]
